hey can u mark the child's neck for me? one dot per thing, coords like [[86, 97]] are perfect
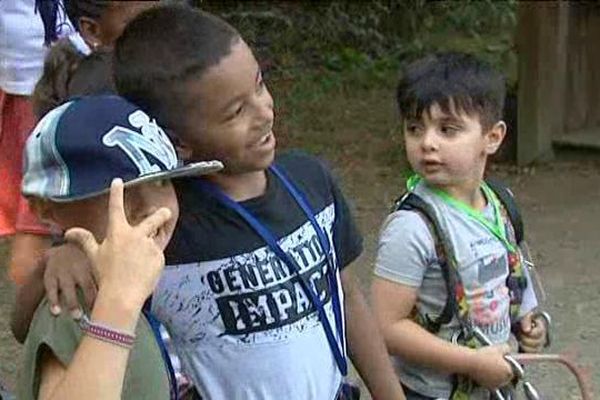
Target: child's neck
[[241, 187], [468, 192]]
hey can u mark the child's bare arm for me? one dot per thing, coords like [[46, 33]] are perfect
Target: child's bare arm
[[393, 304], [365, 344]]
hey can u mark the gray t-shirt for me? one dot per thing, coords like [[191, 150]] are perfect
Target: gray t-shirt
[[406, 255], [146, 376]]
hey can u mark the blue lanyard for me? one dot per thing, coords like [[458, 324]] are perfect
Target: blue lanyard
[[269, 238], [155, 326]]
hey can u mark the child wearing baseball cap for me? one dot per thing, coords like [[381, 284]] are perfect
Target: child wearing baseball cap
[[71, 158], [81, 27]]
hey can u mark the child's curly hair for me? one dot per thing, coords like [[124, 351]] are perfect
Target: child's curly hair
[[60, 64], [68, 73]]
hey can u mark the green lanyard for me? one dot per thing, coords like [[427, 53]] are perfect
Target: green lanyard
[[497, 227]]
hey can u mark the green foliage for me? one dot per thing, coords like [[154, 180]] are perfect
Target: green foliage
[[374, 36], [323, 58]]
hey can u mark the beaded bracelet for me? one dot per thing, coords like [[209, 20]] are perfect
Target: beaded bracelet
[[105, 333]]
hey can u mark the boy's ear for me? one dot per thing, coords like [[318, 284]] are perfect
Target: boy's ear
[[494, 137], [90, 32]]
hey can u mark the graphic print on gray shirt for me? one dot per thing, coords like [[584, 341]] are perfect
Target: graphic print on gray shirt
[[250, 304], [240, 322], [406, 255]]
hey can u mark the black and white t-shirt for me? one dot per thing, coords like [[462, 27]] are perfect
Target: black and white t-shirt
[[240, 321]]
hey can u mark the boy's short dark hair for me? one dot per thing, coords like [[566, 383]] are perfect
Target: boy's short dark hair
[[455, 82], [161, 50]]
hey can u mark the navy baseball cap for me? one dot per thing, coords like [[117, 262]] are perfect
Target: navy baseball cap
[[78, 148]]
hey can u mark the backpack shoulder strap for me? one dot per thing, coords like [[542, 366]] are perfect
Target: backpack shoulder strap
[[507, 199], [412, 202]]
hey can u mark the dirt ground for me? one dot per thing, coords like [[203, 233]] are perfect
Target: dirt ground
[[561, 207]]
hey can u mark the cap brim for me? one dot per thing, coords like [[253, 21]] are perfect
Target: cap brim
[[193, 169]]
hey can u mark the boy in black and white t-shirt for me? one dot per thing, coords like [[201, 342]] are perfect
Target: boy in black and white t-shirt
[[241, 325], [233, 305]]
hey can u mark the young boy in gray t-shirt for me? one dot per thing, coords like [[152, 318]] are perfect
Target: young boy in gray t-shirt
[[451, 107]]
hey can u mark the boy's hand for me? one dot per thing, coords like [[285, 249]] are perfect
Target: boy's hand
[[128, 263], [532, 333], [489, 368], [67, 269]]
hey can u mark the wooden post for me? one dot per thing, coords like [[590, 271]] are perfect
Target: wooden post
[[583, 68], [542, 48]]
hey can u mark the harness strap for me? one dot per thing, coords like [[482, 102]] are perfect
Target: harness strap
[[445, 253], [447, 260], [155, 326], [412, 202], [338, 350], [507, 199]]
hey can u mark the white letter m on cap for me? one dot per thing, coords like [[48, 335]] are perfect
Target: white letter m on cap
[[151, 139]]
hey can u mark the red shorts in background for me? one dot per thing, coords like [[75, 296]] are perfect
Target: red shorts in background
[[16, 122]]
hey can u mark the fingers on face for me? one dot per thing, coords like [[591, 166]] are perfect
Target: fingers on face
[[116, 206], [155, 221], [118, 218]]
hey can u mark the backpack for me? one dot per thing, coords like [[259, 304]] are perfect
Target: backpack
[[516, 282]]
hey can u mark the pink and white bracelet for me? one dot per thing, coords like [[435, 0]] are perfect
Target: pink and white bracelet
[[105, 333]]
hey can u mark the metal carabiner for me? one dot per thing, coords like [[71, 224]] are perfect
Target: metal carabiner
[[531, 392], [548, 319]]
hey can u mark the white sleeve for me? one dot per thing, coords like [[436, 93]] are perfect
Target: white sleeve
[[405, 249]]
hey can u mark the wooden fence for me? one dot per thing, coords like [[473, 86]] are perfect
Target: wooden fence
[[559, 77]]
